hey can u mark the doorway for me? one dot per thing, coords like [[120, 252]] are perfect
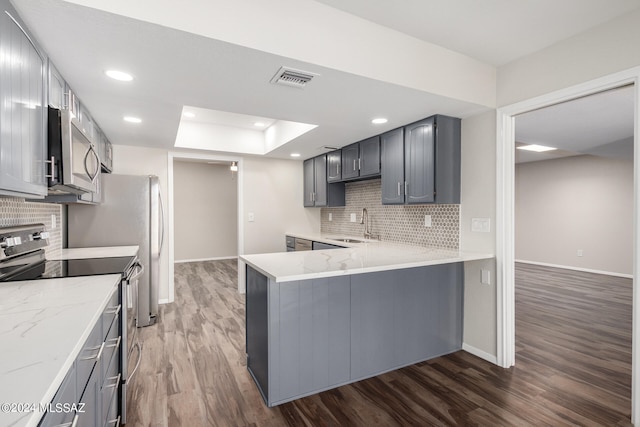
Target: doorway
[[573, 250], [209, 160], [505, 231]]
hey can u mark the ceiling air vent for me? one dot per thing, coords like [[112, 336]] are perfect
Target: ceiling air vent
[[292, 77]]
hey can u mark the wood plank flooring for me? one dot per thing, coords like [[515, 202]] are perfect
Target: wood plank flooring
[[573, 364]]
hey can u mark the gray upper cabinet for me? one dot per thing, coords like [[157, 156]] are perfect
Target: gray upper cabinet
[[56, 89], [350, 158], [392, 159], [22, 113], [421, 162], [370, 157], [362, 159], [334, 166], [317, 191], [320, 179], [419, 152]]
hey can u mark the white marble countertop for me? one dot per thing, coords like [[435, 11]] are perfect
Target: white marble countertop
[[43, 325], [96, 252], [357, 258]]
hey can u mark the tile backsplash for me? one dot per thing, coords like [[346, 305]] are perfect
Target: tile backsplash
[[19, 212], [394, 223]]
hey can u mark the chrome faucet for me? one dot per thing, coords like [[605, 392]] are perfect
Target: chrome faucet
[[364, 219]]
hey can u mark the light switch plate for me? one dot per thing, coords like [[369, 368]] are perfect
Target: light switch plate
[[53, 222], [330, 216], [485, 277], [353, 217], [427, 220], [251, 217], [481, 225]]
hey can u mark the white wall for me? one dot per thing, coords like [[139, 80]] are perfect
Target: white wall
[[576, 203], [601, 51], [273, 193], [205, 211], [478, 200]]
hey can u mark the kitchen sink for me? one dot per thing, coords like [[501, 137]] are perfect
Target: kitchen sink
[[349, 240]]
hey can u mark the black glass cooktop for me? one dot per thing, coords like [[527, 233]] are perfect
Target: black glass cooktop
[[71, 268]]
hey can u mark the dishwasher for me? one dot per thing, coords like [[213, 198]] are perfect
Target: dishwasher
[[303, 245]]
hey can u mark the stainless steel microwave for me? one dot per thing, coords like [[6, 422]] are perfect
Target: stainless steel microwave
[[74, 164]]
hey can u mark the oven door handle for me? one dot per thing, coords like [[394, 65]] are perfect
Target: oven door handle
[[138, 270]]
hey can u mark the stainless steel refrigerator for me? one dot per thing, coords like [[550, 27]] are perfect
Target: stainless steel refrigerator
[[131, 213]]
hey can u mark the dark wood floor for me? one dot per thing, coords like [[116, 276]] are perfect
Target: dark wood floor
[[573, 364]]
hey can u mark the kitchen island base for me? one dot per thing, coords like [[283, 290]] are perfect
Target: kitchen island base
[[308, 336]]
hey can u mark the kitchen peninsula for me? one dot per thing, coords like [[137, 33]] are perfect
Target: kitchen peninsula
[[320, 319]]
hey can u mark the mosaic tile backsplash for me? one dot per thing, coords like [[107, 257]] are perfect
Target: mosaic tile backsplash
[[393, 223], [18, 212]]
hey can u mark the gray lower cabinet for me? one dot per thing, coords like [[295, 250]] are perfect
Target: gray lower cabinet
[[319, 245], [425, 167], [307, 336], [22, 109], [317, 191], [91, 385]]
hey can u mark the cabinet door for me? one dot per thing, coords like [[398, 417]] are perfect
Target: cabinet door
[[22, 119], [392, 165], [56, 88], [370, 157], [320, 175], [334, 162], [419, 147], [350, 159], [308, 184]]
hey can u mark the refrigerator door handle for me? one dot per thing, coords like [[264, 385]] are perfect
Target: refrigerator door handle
[[161, 223]]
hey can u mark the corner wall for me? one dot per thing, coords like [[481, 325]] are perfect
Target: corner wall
[[478, 200]]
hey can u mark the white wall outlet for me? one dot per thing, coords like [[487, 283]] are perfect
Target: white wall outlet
[[485, 278], [481, 225], [330, 216], [53, 222], [251, 217], [580, 252], [427, 220], [352, 218]]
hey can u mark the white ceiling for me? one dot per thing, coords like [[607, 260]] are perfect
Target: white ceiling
[[600, 124], [493, 31], [174, 68]]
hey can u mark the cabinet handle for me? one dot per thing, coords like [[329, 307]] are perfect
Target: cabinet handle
[[354, 164], [406, 188], [359, 167], [399, 188], [98, 355], [52, 168], [115, 422], [114, 310], [117, 344], [337, 169]]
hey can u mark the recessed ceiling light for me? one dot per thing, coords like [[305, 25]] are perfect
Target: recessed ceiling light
[[379, 121], [189, 114], [536, 148], [295, 154], [119, 75], [132, 119], [259, 124]]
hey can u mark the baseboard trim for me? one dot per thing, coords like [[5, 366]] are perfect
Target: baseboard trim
[[205, 259], [567, 267], [480, 353]]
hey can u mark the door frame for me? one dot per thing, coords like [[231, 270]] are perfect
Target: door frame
[[505, 215], [175, 155]]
